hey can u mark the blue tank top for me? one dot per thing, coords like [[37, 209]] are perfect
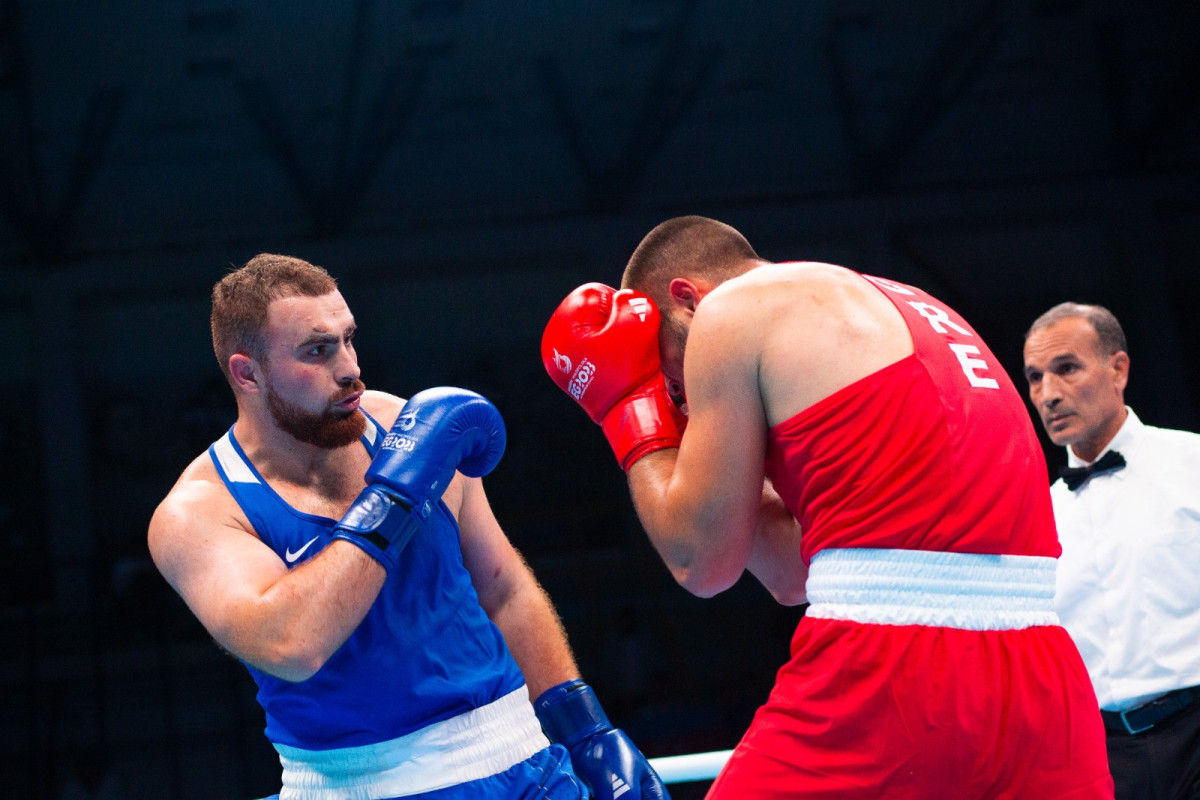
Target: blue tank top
[[426, 650]]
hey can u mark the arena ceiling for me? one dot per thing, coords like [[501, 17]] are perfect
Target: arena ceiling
[[128, 127]]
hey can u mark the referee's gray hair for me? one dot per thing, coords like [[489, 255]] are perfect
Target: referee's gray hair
[[1103, 321]]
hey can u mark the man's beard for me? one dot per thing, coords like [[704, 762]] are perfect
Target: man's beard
[[325, 429]]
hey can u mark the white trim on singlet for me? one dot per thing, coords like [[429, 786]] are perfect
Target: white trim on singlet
[[478, 744], [236, 468], [971, 591]]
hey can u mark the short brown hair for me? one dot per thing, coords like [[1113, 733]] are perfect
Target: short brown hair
[[690, 245], [241, 298], [1103, 322]]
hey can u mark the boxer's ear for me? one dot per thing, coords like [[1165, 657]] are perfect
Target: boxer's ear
[[245, 373], [685, 293]]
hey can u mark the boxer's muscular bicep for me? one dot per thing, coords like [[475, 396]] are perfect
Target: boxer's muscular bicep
[[217, 566], [701, 510], [724, 459], [284, 622], [487, 554]]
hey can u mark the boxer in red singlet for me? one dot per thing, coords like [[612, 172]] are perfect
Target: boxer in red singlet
[[852, 443]]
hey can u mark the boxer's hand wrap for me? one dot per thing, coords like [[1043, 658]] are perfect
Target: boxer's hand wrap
[[601, 348], [606, 758], [438, 431]]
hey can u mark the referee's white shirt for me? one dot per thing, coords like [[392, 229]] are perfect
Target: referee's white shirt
[[1128, 583]]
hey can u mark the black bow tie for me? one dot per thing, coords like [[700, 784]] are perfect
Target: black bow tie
[[1074, 477]]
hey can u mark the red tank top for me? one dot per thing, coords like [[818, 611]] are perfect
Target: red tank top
[[933, 452]]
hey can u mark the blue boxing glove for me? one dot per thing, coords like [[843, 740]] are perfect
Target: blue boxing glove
[[606, 759], [438, 431]]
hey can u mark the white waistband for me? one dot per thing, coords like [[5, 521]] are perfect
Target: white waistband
[[474, 745], [918, 587]]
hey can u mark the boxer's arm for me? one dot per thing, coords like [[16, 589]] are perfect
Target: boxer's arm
[[774, 557], [289, 622], [516, 603], [286, 623], [700, 504], [511, 595]]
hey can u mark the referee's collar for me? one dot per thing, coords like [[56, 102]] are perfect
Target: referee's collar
[[1124, 441]]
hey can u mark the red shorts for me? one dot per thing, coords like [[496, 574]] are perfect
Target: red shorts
[[916, 711]]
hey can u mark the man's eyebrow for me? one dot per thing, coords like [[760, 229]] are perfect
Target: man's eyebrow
[[320, 337], [1061, 358], [1053, 359]]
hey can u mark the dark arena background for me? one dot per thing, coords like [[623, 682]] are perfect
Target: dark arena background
[[459, 166]]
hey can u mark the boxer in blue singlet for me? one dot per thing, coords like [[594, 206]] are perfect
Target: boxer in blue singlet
[[358, 572]]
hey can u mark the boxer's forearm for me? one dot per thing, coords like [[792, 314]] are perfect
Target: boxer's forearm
[[775, 554]]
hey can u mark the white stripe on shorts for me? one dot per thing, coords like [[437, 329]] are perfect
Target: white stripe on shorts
[[971, 591], [478, 744]]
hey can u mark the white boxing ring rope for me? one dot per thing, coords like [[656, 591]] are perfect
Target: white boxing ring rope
[[692, 767]]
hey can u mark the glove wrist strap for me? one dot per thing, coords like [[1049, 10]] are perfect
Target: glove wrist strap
[[380, 523], [642, 424], [570, 713]]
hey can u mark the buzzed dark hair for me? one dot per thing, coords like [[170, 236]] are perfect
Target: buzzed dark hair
[[241, 298], [1103, 322], [690, 245]]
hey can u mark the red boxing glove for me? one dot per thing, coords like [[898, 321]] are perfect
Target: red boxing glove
[[601, 348]]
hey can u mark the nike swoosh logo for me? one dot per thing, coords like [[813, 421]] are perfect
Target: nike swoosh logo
[[291, 557]]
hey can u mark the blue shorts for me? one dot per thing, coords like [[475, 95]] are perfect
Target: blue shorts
[[546, 775]]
